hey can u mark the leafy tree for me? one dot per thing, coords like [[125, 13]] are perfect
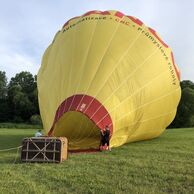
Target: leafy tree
[[25, 80], [187, 84], [185, 110], [3, 85], [5, 111], [22, 95], [36, 119], [23, 106], [191, 121]]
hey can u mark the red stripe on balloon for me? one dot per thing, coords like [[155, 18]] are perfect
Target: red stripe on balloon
[[97, 12], [154, 33], [87, 14], [119, 14], [175, 67], [91, 12], [105, 13], [69, 21], [135, 20]]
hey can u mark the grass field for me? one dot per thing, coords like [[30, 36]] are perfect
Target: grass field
[[162, 165]]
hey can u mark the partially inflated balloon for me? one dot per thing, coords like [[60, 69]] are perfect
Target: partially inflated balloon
[[106, 68]]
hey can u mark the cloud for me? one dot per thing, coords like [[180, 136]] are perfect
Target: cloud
[[28, 27], [16, 62]]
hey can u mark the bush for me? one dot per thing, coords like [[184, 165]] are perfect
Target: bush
[[191, 121], [35, 120], [18, 119], [19, 126]]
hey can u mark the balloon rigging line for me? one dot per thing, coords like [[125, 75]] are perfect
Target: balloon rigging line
[[8, 149], [14, 161]]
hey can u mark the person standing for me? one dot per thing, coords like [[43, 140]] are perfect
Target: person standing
[[105, 138], [38, 133]]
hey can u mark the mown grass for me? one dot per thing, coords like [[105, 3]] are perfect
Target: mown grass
[[162, 165]]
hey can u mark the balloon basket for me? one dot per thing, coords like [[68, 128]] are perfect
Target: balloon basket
[[44, 149]]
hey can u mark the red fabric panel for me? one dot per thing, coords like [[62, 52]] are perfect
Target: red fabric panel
[[135, 20], [75, 102], [119, 14], [97, 12], [105, 13], [69, 21], [154, 33], [91, 12], [176, 70], [87, 105]]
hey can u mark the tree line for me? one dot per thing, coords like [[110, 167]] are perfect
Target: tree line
[[19, 98], [185, 110], [19, 101]]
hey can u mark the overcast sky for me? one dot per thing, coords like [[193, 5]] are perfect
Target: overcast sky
[[28, 27]]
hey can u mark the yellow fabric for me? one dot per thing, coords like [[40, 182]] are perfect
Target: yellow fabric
[[79, 133], [118, 62]]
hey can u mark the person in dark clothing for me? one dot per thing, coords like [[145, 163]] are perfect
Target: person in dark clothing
[[102, 139], [105, 137]]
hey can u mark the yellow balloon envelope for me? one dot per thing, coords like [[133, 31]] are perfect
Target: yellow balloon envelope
[[106, 68]]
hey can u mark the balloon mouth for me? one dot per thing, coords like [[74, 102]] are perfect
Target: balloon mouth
[[87, 105]]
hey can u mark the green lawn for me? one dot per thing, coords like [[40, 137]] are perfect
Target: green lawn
[[162, 165]]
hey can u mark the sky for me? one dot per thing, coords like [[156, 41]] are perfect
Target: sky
[[28, 27]]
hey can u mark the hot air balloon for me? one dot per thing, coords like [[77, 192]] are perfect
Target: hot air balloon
[[107, 68]]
